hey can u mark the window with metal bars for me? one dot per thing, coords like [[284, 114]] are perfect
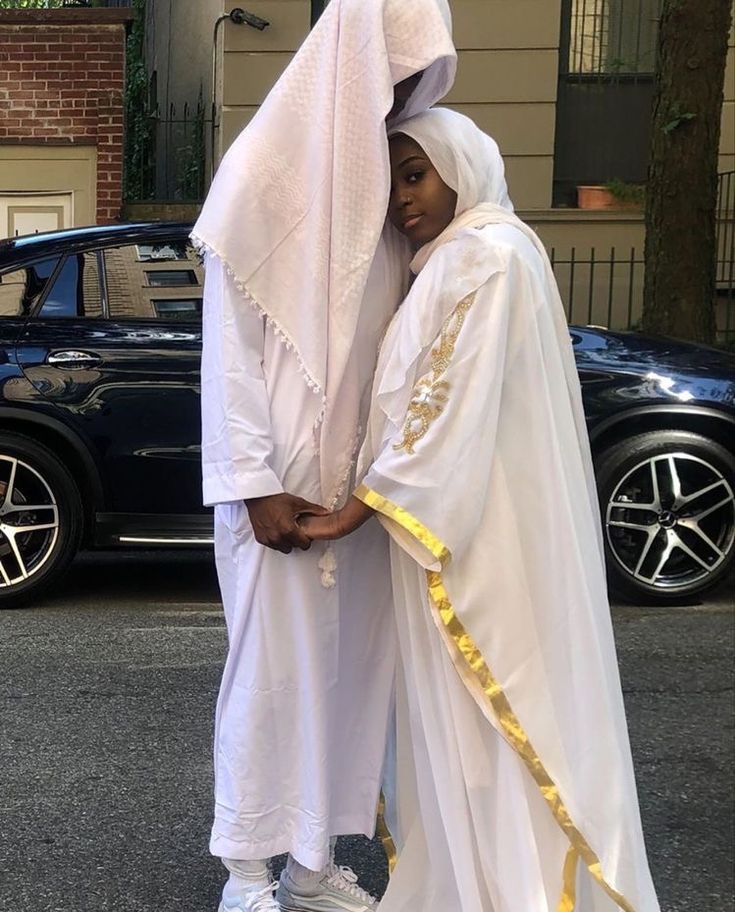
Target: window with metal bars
[[610, 37], [606, 80]]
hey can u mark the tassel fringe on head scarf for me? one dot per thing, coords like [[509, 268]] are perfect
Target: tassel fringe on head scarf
[[298, 203]]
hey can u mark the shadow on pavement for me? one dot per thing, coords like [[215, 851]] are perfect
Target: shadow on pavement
[[164, 576], [126, 576]]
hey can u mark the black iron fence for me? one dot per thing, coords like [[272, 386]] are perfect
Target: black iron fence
[[726, 230], [605, 287], [180, 135], [725, 272], [600, 289], [607, 60], [172, 164]]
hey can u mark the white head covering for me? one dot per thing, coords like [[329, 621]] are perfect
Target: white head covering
[[469, 161], [298, 203]]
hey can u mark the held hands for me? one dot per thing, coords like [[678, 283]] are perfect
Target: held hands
[[330, 526], [275, 520], [323, 528], [284, 521]]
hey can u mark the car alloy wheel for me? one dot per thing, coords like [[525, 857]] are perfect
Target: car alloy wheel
[[29, 521], [40, 519], [668, 503]]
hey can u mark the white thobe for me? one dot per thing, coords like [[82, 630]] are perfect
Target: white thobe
[[307, 687]]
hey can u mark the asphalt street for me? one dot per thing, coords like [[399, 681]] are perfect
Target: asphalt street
[[108, 691]]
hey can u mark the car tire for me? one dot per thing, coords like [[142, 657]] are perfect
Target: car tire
[[41, 520], [668, 514]]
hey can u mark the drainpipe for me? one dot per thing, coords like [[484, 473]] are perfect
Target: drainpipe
[[237, 16]]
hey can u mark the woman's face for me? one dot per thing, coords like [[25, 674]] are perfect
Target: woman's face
[[421, 204]]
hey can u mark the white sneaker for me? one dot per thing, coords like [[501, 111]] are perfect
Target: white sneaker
[[256, 900], [336, 891]]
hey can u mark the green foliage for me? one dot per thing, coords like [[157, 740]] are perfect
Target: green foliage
[[635, 194], [138, 164], [677, 117], [143, 123], [191, 157], [48, 4]]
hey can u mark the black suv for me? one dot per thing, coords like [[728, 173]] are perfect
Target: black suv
[[100, 338]]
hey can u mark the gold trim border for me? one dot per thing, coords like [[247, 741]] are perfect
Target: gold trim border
[[384, 834], [403, 518], [509, 722], [568, 901]]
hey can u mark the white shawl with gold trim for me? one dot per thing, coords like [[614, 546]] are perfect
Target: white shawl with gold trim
[[516, 786]]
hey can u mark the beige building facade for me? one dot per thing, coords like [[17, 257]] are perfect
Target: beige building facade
[[47, 187], [507, 81], [516, 60]]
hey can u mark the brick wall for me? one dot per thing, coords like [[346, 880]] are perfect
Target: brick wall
[[61, 81]]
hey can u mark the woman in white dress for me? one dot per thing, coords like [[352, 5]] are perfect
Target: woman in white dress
[[514, 783]]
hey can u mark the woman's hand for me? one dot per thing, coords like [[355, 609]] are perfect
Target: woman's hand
[[338, 524], [322, 528]]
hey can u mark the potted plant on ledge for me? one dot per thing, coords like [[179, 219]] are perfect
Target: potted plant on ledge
[[616, 194]]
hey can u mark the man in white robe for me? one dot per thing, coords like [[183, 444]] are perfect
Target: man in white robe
[[298, 290]]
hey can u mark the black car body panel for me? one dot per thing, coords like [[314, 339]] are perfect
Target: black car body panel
[[132, 407], [137, 405], [626, 373]]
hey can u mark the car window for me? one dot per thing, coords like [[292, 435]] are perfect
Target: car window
[[20, 289], [154, 281], [76, 289]]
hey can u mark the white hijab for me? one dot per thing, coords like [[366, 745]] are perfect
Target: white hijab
[[298, 203], [469, 161]]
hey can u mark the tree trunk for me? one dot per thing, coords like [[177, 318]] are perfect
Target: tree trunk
[[681, 196]]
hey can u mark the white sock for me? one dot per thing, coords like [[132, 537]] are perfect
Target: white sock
[[245, 875], [302, 876], [299, 875]]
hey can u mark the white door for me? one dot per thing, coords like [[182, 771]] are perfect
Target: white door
[[35, 213]]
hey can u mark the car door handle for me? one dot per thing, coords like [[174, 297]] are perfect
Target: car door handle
[[73, 360]]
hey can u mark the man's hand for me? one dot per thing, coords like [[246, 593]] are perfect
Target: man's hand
[[275, 521]]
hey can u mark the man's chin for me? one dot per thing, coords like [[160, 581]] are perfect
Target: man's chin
[[396, 111]]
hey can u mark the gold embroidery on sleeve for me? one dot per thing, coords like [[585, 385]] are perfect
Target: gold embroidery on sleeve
[[431, 393]]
